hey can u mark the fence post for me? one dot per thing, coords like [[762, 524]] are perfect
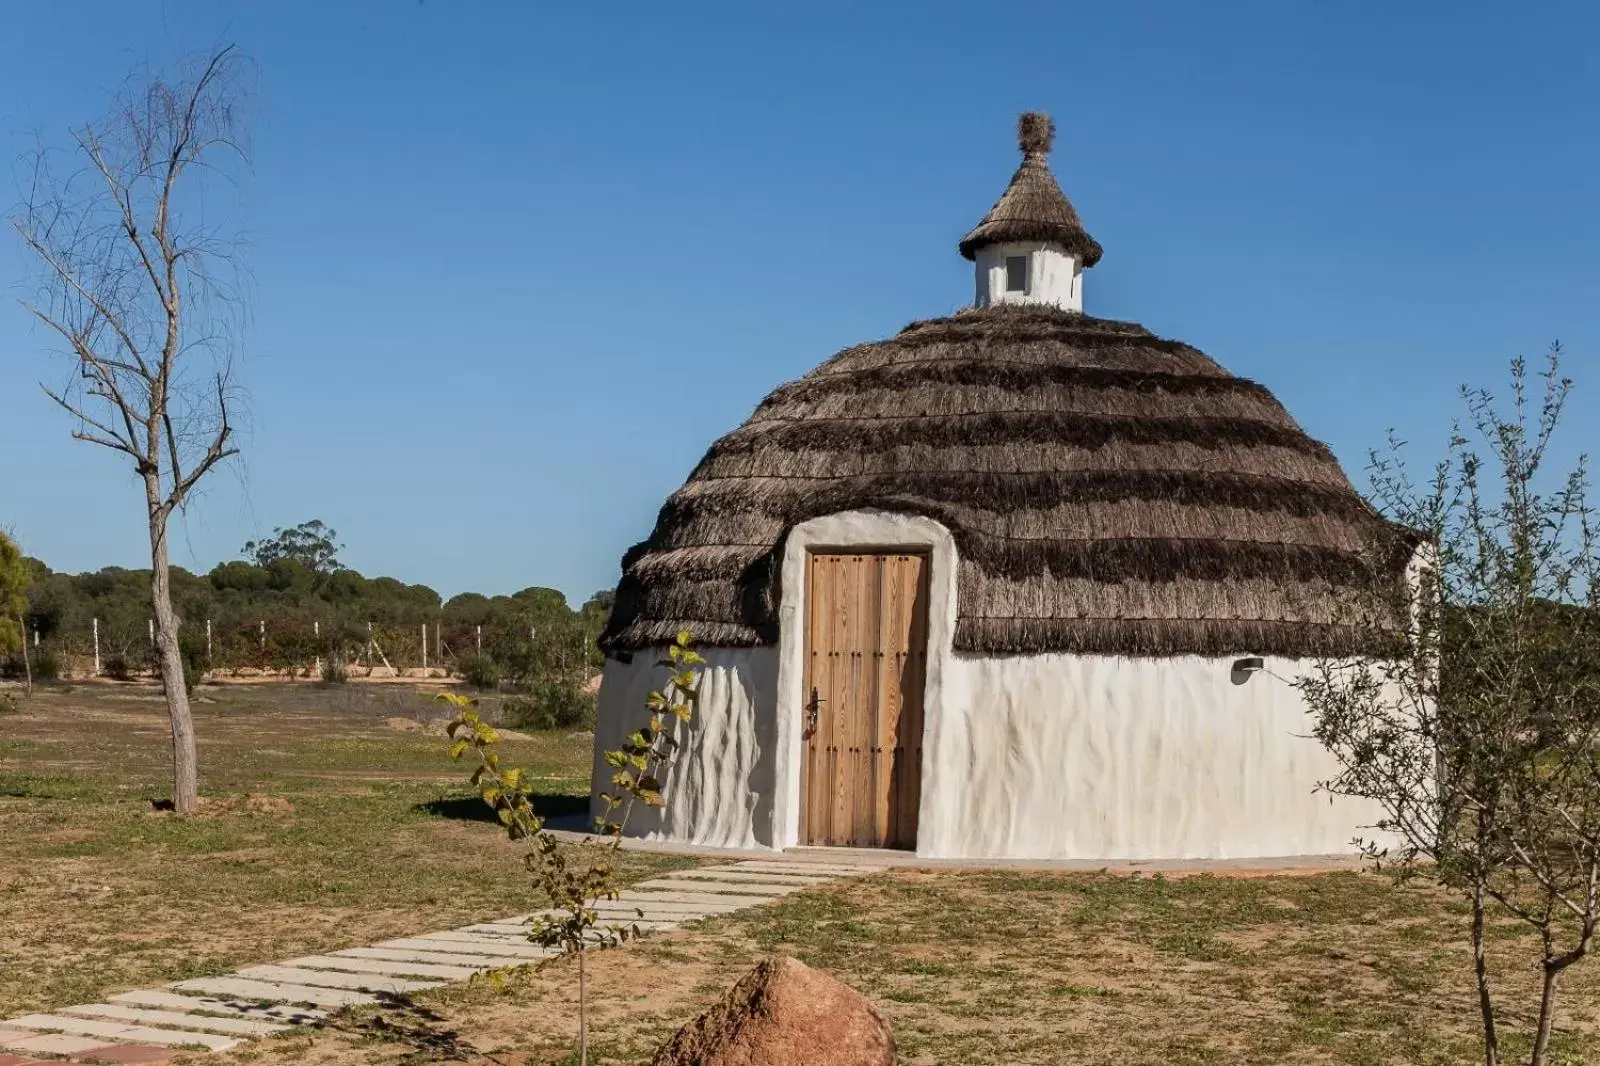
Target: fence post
[[316, 632], [479, 635], [97, 647], [438, 642], [35, 636], [152, 623], [208, 640], [424, 646], [261, 626], [369, 646]]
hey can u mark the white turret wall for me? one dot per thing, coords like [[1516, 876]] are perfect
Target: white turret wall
[[1054, 277]]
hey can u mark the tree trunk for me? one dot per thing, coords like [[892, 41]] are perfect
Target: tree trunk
[[27, 666], [583, 1010], [1547, 1015], [1480, 967], [185, 769]]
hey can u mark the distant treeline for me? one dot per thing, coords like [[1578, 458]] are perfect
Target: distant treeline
[[281, 613]]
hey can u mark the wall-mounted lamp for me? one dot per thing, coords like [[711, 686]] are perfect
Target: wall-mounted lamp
[[1244, 668]]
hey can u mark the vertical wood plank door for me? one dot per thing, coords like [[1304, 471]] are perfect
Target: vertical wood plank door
[[866, 660]]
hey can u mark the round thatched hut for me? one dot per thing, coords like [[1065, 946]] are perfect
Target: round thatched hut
[[1003, 585]]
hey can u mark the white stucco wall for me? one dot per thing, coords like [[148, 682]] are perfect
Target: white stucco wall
[[1036, 756], [1109, 757], [1054, 277], [720, 790]]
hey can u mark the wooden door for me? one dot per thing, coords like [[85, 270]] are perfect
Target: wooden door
[[866, 659]]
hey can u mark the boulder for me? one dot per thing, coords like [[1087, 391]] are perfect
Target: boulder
[[784, 1013]]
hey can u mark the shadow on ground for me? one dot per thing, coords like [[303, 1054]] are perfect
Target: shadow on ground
[[560, 806], [399, 1020]]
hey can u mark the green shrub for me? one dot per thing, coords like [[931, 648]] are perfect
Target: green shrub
[[117, 667], [480, 671], [550, 705], [333, 670], [46, 667], [195, 660]]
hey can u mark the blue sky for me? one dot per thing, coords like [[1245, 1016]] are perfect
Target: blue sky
[[515, 265]]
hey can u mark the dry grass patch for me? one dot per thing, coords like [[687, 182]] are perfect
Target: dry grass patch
[[992, 967], [320, 828]]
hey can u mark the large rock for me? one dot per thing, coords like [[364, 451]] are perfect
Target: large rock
[[784, 1013]]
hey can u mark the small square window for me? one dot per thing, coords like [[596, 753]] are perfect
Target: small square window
[[1016, 273]]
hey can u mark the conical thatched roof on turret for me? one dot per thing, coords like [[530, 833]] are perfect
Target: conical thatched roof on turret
[[1108, 491], [1033, 207]]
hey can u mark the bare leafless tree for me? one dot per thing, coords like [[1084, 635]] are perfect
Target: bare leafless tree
[[141, 280]]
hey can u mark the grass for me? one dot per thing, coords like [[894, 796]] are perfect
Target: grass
[[324, 826], [330, 827], [998, 967]]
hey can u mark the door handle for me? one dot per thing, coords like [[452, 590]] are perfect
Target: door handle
[[813, 709]]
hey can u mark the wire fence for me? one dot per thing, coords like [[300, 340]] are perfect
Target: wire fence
[[122, 649]]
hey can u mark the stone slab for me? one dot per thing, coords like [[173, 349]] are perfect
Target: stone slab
[[463, 944], [108, 1031], [817, 869], [498, 934], [294, 975], [52, 1044], [696, 898], [668, 911], [485, 943], [275, 992], [231, 1008], [402, 955], [378, 966], [605, 919], [750, 894], [754, 877], [169, 1019], [660, 912]]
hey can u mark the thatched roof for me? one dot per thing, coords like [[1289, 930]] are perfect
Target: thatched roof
[[1033, 207], [1108, 491]]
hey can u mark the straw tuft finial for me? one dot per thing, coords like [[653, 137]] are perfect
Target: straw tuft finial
[[1035, 132]]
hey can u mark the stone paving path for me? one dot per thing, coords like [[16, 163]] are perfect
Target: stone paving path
[[218, 1013]]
